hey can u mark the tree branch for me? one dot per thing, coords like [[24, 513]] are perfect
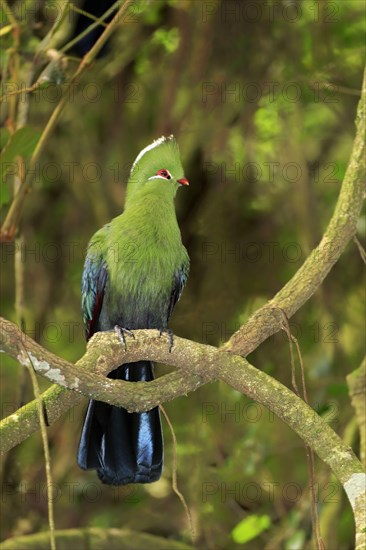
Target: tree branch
[[204, 363], [105, 352], [356, 382], [264, 322]]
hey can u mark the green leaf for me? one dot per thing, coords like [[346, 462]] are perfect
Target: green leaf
[[250, 527], [169, 39], [22, 143], [5, 30]]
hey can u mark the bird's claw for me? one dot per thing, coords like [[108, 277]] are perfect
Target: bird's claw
[[170, 334], [121, 331]]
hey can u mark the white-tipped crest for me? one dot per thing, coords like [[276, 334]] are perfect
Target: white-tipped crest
[[152, 145]]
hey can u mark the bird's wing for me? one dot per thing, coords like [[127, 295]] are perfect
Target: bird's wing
[[180, 279], [93, 284]]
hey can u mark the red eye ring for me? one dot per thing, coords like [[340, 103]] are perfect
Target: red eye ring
[[164, 174]]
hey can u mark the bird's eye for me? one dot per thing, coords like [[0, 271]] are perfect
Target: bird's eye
[[164, 174]]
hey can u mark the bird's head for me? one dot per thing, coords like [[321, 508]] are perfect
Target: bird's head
[[157, 167]]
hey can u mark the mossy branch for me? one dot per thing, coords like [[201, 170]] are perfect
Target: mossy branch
[[356, 382], [200, 362]]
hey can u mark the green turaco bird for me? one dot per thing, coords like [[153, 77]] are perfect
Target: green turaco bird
[[134, 273]]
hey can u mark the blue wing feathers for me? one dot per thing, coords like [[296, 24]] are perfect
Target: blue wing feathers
[[92, 291], [180, 279]]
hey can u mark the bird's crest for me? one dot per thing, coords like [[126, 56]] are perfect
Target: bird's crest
[[161, 154], [156, 143]]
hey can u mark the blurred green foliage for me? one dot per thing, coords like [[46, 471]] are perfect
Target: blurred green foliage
[[262, 99]]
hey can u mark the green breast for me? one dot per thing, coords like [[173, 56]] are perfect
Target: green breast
[[144, 251]]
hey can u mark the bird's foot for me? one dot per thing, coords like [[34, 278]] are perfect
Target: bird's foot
[[121, 332], [170, 334]]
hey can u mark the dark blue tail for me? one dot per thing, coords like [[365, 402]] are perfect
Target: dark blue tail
[[123, 447]]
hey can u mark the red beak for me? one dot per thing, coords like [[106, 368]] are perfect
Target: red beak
[[183, 181]]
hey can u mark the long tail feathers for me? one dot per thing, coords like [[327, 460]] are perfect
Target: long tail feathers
[[123, 447]]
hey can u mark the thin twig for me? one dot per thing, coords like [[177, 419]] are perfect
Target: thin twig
[[308, 450], [98, 21], [88, 15], [286, 328], [174, 476], [310, 457], [26, 90], [46, 450], [336, 88], [360, 249], [304, 390]]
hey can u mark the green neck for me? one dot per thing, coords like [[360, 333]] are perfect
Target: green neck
[[154, 205], [152, 191]]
